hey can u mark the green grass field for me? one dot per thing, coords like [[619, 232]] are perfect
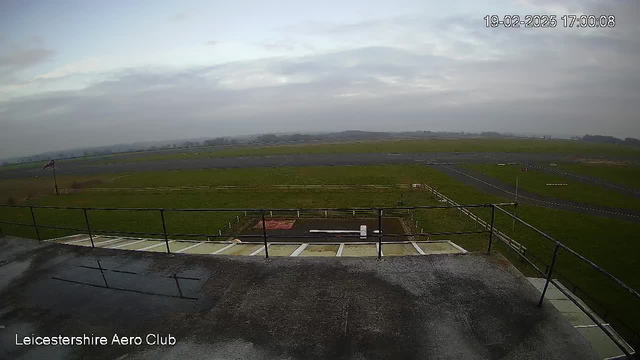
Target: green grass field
[[535, 181], [610, 243], [622, 174], [396, 146]]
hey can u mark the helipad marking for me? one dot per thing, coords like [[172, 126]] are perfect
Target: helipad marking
[[189, 247], [154, 246], [340, 249], [223, 249], [299, 250]]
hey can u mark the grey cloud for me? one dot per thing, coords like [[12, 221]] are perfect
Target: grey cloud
[[553, 81], [211, 42], [23, 58]]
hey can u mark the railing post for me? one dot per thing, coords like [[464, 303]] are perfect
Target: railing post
[[35, 225], [86, 220], [379, 233], [550, 273], [164, 230], [264, 235], [493, 217]]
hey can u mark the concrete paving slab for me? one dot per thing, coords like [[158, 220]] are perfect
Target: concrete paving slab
[[438, 248], [85, 242], [360, 250], [604, 346], [399, 249], [565, 305], [281, 250], [70, 238], [111, 243], [206, 248], [241, 249], [140, 245], [320, 250]]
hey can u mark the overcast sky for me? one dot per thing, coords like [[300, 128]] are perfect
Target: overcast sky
[[89, 73]]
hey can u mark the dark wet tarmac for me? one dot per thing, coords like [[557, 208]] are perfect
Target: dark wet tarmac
[[418, 307]]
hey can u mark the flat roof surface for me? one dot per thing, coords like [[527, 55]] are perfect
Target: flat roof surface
[[411, 307]]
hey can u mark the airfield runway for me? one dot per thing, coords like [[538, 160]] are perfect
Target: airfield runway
[[85, 167], [496, 187]]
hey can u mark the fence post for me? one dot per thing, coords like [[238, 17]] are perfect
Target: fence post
[[550, 273], [379, 233], [264, 235], [1, 233], [164, 230], [35, 225], [493, 217], [86, 220]]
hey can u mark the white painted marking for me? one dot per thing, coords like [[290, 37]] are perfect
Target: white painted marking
[[64, 238], [458, 247], [223, 249], [418, 249], [299, 250], [261, 249], [77, 241], [106, 242], [588, 326], [126, 244], [378, 248], [189, 247], [335, 231], [340, 249], [155, 245]]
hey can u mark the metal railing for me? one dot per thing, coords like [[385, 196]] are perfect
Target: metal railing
[[379, 213], [549, 272]]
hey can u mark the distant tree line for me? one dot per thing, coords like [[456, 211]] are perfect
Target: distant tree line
[[610, 140], [350, 135]]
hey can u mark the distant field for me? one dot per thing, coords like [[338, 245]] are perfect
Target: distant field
[[371, 174], [622, 174], [536, 181], [610, 243], [398, 146]]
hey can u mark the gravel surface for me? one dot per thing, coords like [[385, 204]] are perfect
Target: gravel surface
[[413, 307]]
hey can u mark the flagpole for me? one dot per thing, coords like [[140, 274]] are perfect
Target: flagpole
[[55, 182], [513, 226]]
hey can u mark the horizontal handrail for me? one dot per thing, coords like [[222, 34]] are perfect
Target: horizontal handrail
[[573, 252], [259, 209]]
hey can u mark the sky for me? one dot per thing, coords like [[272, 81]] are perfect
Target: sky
[[93, 73]]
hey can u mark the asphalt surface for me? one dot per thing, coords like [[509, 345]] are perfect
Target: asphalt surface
[[420, 307], [507, 191], [85, 167]]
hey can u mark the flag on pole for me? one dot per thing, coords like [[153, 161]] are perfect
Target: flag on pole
[[49, 164]]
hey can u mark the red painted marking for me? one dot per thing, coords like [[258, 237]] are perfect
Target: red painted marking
[[276, 224]]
